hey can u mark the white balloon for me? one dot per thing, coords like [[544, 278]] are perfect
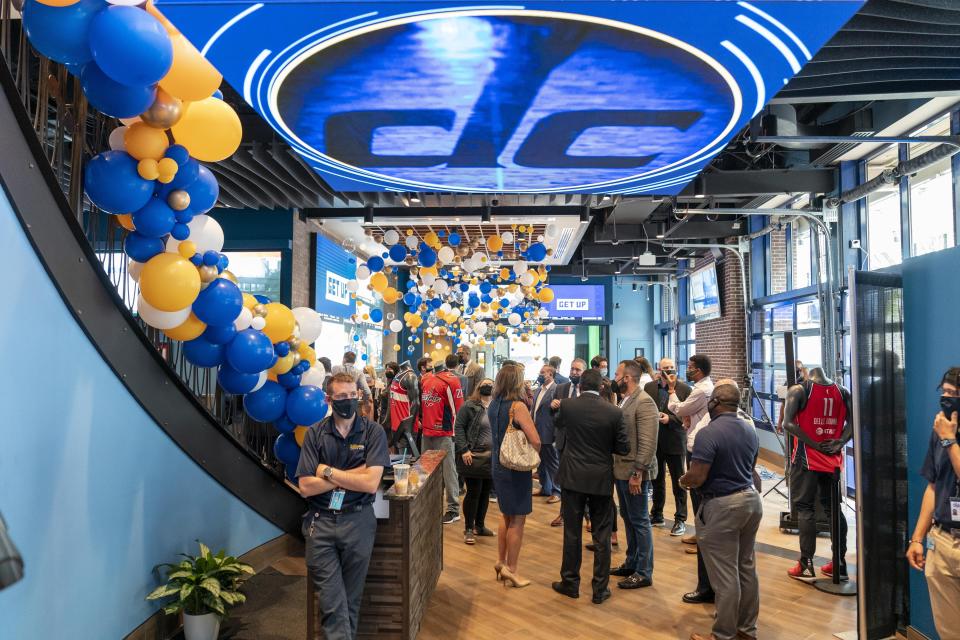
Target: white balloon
[[262, 381], [133, 270], [446, 308], [310, 324], [519, 267], [116, 138], [396, 326], [445, 255], [507, 237], [480, 328], [526, 279], [543, 313], [314, 376], [243, 320], [441, 287], [205, 232], [353, 286], [478, 258], [468, 265], [363, 272], [540, 238], [551, 326], [514, 319], [160, 319], [428, 279], [412, 242], [258, 323], [455, 313], [391, 237]]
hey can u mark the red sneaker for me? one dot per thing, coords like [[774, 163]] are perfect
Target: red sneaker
[[803, 571], [827, 570]]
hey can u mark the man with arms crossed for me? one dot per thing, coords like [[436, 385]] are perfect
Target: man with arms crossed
[[340, 467]]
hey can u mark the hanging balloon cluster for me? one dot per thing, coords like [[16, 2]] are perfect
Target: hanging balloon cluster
[[134, 65], [465, 291]]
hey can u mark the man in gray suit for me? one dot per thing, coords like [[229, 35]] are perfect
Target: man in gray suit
[[543, 419], [633, 473], [470, 369]]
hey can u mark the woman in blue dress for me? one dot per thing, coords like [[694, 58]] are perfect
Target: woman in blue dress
[[514, 488]]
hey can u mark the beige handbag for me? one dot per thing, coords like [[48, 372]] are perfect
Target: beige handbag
[[515, 452]]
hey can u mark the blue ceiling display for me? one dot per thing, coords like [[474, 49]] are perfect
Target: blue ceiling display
[[630, 97]]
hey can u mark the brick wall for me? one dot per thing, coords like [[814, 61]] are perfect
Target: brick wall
[[301, 267], [723, 339], [778, 260]]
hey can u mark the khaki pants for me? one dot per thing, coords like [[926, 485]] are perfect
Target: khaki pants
[[943, 581]]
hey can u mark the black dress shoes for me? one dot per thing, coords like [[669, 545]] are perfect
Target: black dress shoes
[[622, 571], [603, 596], [699, 597], [565, 590], [635, 581]]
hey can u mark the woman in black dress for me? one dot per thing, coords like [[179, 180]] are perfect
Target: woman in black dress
[[514, 488], [473, 443]]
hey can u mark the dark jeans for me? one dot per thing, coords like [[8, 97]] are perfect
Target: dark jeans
[[636, 525], [675, 464], [338, 554], [547, 471], [572, 507], [703, 579], [806, 487], [475, 502]]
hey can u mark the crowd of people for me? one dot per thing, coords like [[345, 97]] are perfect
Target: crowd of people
[[598, 436]]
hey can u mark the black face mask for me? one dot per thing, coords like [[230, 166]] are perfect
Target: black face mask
[[486, 390], [575, 379], [799, 374], [949, 405], [712, 409], [689, 375], [618, 387], [390, 375], [541, 380], [345, 408], [462, 359]]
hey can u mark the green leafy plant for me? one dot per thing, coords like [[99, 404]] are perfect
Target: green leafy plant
[[201, 584]]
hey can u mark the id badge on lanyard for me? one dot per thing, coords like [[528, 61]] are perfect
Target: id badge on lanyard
[[336, 499], [955, 503]]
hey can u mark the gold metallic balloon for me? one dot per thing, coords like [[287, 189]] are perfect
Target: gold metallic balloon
[[228, 275], [294, 343], [165, 111], [296, 358], [260, 311], [208, 273], [178, 200]]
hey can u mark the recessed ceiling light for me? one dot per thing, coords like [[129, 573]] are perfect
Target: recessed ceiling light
[[414, 198], [660, 235]]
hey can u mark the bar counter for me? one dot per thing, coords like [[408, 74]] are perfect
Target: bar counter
[[406, 562]]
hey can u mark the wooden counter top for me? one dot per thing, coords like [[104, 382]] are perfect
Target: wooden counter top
[[424, 466]]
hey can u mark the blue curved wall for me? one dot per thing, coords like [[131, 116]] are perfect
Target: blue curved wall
[[94, 493]]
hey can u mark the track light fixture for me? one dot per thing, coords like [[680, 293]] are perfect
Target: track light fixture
[[414, 198], [368, 215], [485, 214]]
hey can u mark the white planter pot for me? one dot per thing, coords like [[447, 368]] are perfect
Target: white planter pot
[[205, 627]]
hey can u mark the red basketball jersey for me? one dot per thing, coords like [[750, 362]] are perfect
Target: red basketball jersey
[[821, 419]]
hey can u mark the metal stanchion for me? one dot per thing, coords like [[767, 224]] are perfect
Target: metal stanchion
[[834, 585]]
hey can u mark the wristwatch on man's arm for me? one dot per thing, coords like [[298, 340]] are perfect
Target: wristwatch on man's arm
[[946, 443], [327, 473]]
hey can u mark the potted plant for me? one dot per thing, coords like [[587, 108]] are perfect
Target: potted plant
[[203, 587]]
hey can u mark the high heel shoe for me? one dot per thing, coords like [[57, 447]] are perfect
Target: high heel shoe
[[509, 579], [499, 569]]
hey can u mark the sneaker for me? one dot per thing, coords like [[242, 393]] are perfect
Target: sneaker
[[450, 518], [657, 521], [679, 528], [827, 570], [803, 571], [468, 537]]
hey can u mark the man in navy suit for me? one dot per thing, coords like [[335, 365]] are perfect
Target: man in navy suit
[[543, 419]]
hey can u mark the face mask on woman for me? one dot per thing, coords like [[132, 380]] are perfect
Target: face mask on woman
[[486, 390]]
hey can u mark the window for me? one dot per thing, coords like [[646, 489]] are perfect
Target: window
[[883, 214], [802, 254], [257, 272], [931, 196]]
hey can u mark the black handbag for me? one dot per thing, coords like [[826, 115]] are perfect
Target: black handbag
[[481, 467]]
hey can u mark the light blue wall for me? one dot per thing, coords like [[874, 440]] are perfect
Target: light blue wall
[[632, 324], [931, 291], [94, 492]]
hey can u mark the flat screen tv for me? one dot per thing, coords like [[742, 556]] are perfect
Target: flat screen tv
[[704, 293]]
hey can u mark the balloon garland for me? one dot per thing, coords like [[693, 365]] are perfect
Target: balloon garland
[[134, 65]]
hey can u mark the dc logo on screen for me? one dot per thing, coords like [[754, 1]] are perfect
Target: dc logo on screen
[[508, 101]]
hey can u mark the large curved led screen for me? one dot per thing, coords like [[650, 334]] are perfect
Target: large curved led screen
[[606, 97]]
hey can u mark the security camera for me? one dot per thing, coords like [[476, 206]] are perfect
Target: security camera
[[494, 203]]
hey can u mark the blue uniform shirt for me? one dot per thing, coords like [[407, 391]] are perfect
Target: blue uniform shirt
[[938, 471], [729, 444], [366, 444]]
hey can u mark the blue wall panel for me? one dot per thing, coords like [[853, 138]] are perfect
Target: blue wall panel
[[94, 492], [632, 324], [931, 290]]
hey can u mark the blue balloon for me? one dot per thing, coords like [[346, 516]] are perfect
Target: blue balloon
[[291, 468], [284, 425], [221, 334], [262, 299], [266, 404], [485, 287], [178, 153], [218, 94], [306, 405], [454, 239], [236, 382], [141, 248], [219, 304], [286, 449], [187, 173], [203, 353], [375, 263], [223, 262], [464, 287], [210, 258], [428, 257], [376, 315], [196, 260], [130, 45], [155, 220], [203, 191], [180, 232], [61, 33], [289, 380], [250, 352], [436, 303], [537, 252], [301, 368], [486, 298], [409, 299], [398, 253], [113, 184], [282, 349], [112, 98]]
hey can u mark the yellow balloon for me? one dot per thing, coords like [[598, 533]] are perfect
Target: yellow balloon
[[169, 283], [504, 274], [378, 281], [152, 10], [191, 77], [187, 248], [307, 353], [210, 130], [58, 3], [126, 221], [546, 295], [149, 169], [280, 323], [300, 433], [494, 243], [143, 141], [283, 365], [271, 376], [189, 330], [396, 347], [249, 301], [431, 239]]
